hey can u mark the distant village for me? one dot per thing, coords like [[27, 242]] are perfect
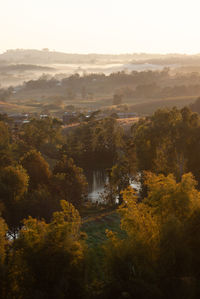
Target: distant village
[[69, 117]]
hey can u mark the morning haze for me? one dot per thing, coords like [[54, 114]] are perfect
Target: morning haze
[[99, 149], [93, 26]]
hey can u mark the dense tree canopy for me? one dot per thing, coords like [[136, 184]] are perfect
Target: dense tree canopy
[[152, 247], [48, 258], [37, 168], [167, 142], [96, 142], [158, 250], [69, 181], [42, 134]]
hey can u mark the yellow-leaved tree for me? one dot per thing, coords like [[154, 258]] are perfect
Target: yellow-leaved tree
[[156, 257], [3, 244], [47, 260]]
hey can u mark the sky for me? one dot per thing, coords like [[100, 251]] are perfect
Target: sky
[[101, 26]]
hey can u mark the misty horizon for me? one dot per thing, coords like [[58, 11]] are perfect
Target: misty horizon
[[99, 53], [106, 27]]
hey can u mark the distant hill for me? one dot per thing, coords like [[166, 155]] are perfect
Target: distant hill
[[49, 57], [4, 67], [45, 56]]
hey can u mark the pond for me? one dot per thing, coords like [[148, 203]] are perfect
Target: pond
[[96, 183]]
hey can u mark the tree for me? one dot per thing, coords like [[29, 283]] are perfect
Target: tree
[[4, 136], [3, 244], [164, 142], [13, 186], [119, 177], [37, 168], [3, 240], [48, 259], [117, 99], [38, 134], [107, 139], [5, 94], [162, 240], [41, 203], [69, 181], [13, 182], [96, 143], [196, 105]]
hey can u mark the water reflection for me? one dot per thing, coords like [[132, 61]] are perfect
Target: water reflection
[[96, 182]]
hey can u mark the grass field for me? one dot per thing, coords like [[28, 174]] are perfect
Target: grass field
[[96, 223], [151, 106]]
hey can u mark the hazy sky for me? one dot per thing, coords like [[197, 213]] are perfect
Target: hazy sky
[[102, 26]]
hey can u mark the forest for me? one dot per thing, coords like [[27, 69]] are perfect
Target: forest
[[135, 243]]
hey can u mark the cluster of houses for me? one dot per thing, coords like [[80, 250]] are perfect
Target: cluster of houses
[[126, 114], [70, 117], [19, 119]]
